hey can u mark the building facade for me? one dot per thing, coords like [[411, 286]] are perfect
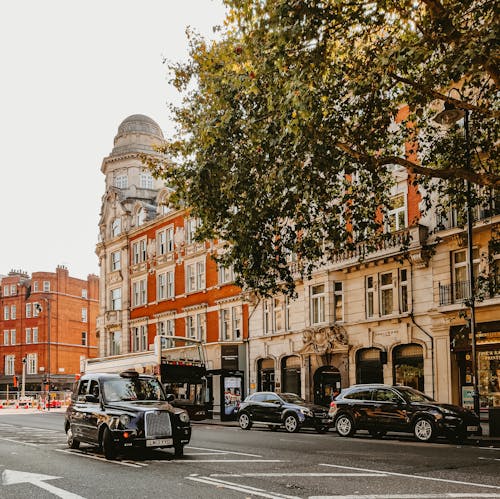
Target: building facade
[[47, 323], [157, 281]]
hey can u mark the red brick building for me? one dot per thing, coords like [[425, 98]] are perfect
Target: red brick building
[[48, 320]]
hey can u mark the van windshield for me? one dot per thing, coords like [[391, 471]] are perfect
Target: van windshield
[[123, 389]]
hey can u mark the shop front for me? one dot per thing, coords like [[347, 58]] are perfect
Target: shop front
[[488, 364]]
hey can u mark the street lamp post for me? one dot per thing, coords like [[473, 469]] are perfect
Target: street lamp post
[[451, 114], [23, 379], [47, 301]]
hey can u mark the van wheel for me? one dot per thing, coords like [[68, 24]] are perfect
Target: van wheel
[[245, 421], [424, 430], [108, 446], [73, 443], [345, 426]]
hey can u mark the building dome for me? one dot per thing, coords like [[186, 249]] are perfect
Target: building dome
[[139, 123]]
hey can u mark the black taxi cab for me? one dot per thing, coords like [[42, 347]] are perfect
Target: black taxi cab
[[126, 410]]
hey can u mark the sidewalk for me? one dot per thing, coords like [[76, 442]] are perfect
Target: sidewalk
[[34, 410], [483, 441]]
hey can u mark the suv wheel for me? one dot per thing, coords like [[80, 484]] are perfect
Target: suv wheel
[[291, 423], [345, 426], [244, 421], [424, 430]]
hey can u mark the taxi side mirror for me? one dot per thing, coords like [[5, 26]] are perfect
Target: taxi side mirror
[[170, 397]]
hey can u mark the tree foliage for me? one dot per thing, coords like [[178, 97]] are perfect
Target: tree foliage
[[293, 121]]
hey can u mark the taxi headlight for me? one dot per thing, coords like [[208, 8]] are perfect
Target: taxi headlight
[[124, 419], [184, 417]]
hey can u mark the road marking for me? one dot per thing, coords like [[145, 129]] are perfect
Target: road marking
[[18, 442], [218, 451], [75, 452], [412, 496], [458, 482], [230, 461], [489, 458], [11, 477], [333, 475], [240, 488]]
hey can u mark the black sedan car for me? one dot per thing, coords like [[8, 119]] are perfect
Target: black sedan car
[[383, 408], [282, 409], [116, 412]]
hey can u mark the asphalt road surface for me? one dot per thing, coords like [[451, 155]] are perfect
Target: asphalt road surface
[[226, 462]]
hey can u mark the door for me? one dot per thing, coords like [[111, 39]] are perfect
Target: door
[[389, 410], [326, 385], [93, 412], [78, 407]]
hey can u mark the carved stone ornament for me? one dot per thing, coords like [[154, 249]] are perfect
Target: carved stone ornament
[[323, 340]]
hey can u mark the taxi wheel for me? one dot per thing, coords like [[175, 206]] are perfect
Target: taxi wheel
[[179, 450], [291, 423], [108, 446], [73, 443]]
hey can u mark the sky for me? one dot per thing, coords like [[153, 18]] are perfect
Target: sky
[[71, 72]]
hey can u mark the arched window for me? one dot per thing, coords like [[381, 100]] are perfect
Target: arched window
[[369, 366], [116, 227], [290, 375], [141, 216], [408, 365]]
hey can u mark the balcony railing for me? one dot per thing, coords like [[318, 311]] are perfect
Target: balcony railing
[[458, 292]]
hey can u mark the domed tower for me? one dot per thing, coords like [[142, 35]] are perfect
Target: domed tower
[[129, 201]]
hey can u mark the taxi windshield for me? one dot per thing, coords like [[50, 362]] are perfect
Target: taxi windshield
[[124, 389]]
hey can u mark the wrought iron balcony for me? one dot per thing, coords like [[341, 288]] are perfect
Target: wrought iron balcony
[[458, 292]]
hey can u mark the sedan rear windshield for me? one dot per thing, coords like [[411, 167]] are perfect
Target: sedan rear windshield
[[411, 395], [123, 389]]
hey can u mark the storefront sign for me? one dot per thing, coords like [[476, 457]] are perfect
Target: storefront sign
[[229, 357], [468, 397], [386, 334]]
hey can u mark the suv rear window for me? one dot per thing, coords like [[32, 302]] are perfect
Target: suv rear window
[[359, 395]]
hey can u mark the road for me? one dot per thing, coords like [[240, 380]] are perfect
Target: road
[[226, 462]]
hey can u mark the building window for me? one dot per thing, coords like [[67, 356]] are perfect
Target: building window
[[266, 317], [28, 310], [191, 225], [84, 338], [28, 335], [165, 329], [386, 294], [141, 216], [6, 313], [115, 261], [318, 304], [31, 363], [190, 326], [277, 314], [145, 180], [287, 313], [12, 336], [370, 293], [84, 315], [121, 181], [139, 251], [408, 366], [9, 364], [165, 241], [139, 294], [226, 274], [460, 272], [116, 227], [195, 276], [225, 324], [338, 302], [13, 290], [115, 342], [35, 334], [35, 286], [36, 309], [6, 290], [139, 340], [46, 286], [403, 290], [6, 335], [84, 294], [165, 285], [116, 299], [236, 322], [396, 216], [13, 312]]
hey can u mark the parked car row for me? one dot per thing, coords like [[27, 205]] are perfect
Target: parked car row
[[377, 408]]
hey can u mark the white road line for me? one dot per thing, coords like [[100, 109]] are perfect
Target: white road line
[[218, 451], [240, 488], [98, 458], [420, 477], [18, 442], [489, 458], [333, 475], [229, 461], [412, 496]]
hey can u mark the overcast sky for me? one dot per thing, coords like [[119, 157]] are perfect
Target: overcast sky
[[71, 72]]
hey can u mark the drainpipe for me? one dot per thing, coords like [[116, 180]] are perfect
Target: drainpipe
[[412, 317]]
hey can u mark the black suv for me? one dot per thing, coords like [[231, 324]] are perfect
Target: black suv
[[283, 409], [122, 411], [383, 408]]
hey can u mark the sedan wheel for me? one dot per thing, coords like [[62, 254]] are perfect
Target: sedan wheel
[[345, 426], [291, 423], [245, 421], [73, 443], [424, 430]]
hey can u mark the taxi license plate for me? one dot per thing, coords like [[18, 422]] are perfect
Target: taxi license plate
[[471, 428], [159, 441]]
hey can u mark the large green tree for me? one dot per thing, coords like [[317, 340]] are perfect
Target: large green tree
[[293, 121]]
